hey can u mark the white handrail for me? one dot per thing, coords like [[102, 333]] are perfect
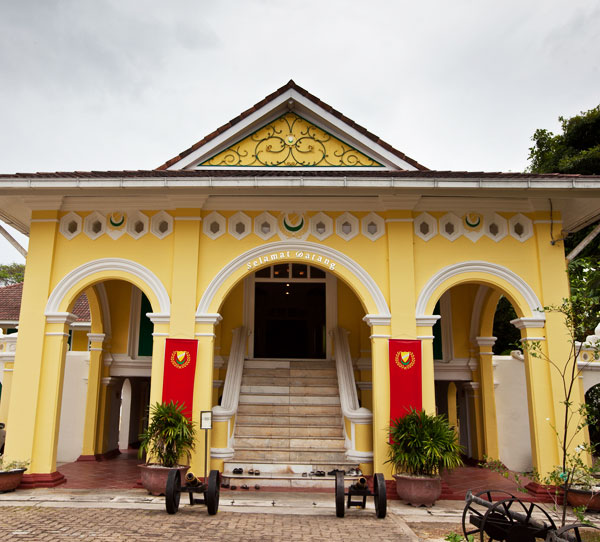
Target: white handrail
[[233, 379], [347, 385]]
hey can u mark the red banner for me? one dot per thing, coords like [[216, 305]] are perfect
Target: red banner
[[180, 368], [405, 377]]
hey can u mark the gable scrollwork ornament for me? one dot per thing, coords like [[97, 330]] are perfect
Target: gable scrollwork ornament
[[291, 141]]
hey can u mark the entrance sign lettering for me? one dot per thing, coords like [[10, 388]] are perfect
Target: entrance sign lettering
[[289, 255]]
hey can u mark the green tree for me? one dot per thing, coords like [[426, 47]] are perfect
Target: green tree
[[576, 150], [11, 273]]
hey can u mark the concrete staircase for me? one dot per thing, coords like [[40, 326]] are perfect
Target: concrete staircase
[[288, 424]]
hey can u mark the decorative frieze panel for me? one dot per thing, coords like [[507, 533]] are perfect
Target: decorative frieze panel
[[473, 226], [214, 225], [70, 225]]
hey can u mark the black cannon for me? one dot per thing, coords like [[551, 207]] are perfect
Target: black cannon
[[209, 489], [511, 520], [360, 489]]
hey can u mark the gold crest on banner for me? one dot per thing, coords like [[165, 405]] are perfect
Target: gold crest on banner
[[404, 360], [180, 359]]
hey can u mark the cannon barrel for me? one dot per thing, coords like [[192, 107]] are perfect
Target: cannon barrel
[[514, 515], [191, 480]]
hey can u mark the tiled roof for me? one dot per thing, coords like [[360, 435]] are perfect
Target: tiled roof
[[10, 304], [312, 98], [281, 172]]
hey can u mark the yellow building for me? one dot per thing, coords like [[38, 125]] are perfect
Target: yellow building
[[293, 245]]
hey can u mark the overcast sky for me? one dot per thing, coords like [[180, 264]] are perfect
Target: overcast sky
[[123, 84]]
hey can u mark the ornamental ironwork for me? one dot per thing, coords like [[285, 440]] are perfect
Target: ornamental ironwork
[[291, 141]]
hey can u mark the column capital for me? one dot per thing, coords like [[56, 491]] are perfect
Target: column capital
[[159, 317], [485, 341], [60, 317], [377, 320], [427, 320], [96, 337], [529, 322], [208, 318]]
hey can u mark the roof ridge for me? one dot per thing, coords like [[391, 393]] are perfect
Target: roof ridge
[[291, 84]]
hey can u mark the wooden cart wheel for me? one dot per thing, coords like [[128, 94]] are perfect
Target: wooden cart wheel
[[339, 494], [473, 513], [173, 491], [563, 534], [213, 492], [380, 495], [512, 520]]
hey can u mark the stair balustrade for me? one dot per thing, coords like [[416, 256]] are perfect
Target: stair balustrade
[[358, 421], [225, 412]]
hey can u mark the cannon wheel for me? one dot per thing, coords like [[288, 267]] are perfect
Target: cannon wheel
[[380, 496], [498, 524], [339, 495], [173, 491], [213, 492], [562, 534], [478, 511]]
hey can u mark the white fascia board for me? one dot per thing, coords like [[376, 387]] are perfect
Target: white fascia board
[[308, 110]]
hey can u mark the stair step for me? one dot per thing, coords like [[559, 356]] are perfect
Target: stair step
[[279, 455], [289, 431], [283, 410], [289, 390], [273, 380], [305, 420], [289, 399], [287, 481], [282, 443], [277, 468]]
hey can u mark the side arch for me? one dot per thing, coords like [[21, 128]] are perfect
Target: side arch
[[106, 268], [519, 292], [371, 295]]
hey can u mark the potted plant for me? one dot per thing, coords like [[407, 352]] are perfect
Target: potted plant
[[169, 438], [11, 474], [421, 446]]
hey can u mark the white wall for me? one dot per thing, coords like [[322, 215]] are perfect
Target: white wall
[[512, 413], [72, 413]]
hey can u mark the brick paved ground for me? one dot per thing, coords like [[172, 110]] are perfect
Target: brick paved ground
[[189, 524]]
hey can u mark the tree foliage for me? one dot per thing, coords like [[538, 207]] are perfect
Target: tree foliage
[[576, 150], [11, 273]]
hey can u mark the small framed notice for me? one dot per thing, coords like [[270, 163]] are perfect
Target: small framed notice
[[206, 419]]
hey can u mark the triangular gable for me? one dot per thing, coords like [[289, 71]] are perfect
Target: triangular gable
[[291, 141], [357, 147]]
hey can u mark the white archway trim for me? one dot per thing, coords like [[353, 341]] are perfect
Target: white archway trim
[[480, 298], [298, 246], [488, 268], [108, 264]]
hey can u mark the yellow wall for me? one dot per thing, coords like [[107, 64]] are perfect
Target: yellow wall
[[350, 315], [79, 340], [232, 313], [119, 298]]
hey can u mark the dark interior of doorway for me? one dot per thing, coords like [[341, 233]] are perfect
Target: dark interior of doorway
[[289, 320]]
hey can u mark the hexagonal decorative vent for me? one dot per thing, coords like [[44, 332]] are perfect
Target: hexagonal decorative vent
[[451, 226], [520, 227], [373, 226], [137, 224], [496, 227], [321, 226], [214, 225], [70, 225], [425, 226], [94, 225], [240, 225], [265, 226], [161, 224], [346, 226]]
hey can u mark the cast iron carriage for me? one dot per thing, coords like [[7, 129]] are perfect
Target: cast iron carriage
[[210, 490], [360, 489]]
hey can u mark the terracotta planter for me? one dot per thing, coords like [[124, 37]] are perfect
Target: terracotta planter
[[154, 477], [10, 480], [582, 497], [418, 490]]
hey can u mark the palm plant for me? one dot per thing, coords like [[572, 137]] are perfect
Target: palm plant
[[423, 445], [170, 435]]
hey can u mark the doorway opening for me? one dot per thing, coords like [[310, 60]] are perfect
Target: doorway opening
[[290, 312]]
